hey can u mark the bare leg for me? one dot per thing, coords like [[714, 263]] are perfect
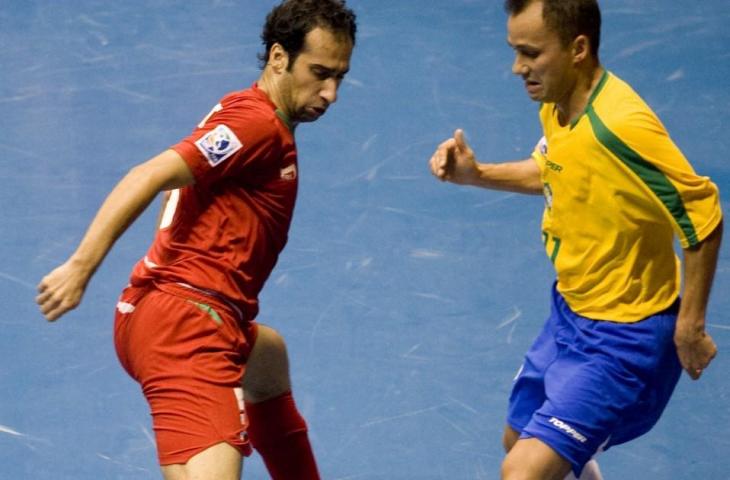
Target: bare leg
[[590, 472], [509, 438], [267, 368], [276, 428], [531, 459], [219, 462]]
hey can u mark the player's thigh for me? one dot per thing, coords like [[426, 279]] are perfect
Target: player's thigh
[[531, 459], [219, 462], [267, 367]]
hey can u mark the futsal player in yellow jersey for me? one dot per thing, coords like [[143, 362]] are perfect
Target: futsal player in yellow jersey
[[617, 191]]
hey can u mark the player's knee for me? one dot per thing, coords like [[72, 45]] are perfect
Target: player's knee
[[269, 351], [513, 468], [534, 461], [510, 469], [267, 368]]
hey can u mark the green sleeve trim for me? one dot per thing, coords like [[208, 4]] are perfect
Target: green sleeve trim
[[648, 173]]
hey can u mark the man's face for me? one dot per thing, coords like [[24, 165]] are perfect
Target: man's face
[[310, 85], [540, 58]]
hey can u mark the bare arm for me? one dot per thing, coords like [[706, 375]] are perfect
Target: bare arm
[[454, 161], [695, 347], [62, 289]]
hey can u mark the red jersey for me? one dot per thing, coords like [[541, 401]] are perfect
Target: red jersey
[[224, 233]]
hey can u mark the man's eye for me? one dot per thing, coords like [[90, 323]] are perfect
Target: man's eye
[[321, 74]]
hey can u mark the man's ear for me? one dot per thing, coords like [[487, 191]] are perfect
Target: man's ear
[[581, 48], [278, 58]]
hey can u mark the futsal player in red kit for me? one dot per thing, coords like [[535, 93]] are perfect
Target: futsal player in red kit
[[216, 381]]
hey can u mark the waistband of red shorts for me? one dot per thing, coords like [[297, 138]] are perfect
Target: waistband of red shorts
[[190, 292]]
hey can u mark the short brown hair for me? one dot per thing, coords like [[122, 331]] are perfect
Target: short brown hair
[[568, 18], [289, 22]]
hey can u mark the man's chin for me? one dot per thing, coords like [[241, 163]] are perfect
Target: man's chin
[[306, 117], [535, 92], [313, 114]]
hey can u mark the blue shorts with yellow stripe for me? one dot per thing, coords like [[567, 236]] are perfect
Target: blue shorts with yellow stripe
[[586, 385]]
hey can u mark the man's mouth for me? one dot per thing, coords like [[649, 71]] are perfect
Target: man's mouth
[[532, 86]]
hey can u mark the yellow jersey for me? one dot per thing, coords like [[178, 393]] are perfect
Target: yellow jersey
[[616, 191]]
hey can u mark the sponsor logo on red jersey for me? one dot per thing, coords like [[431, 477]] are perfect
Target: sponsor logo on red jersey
[[218, 144]]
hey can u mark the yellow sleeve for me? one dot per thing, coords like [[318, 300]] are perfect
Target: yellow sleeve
[[690, 201]]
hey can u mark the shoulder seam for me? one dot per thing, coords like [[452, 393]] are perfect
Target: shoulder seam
[[648, 173]]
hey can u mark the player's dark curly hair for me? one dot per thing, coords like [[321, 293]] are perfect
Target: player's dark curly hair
[[568, 18], [289, 22]]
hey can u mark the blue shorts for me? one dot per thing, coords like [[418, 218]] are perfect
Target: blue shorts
[[586, 385]]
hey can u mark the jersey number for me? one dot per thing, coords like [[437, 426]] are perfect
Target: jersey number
[[215, 109], [168, 211], [556, 245]]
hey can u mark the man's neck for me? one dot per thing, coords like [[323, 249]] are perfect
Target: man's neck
[[268, 85], [580, 94]]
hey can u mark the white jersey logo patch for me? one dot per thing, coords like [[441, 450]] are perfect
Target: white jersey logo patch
[[218, 144]]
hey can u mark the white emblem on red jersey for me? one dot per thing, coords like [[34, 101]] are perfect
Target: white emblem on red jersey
[[289, 173], [125, 308], [218, 144]]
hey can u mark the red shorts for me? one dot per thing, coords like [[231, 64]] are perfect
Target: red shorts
[[188, 351]]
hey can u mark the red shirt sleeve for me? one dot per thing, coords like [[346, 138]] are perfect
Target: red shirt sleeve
[[239, 136]]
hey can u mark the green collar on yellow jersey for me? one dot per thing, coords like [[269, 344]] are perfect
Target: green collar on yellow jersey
[[596, 91]]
